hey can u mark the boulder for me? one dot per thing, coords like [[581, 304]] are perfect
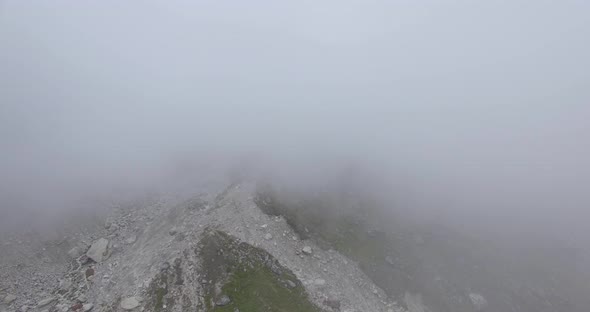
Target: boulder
[[129, 303], [99, 251]]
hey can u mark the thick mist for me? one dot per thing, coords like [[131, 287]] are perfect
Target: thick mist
[[472, 113]]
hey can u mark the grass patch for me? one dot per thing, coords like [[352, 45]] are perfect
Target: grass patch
[[249, 276]]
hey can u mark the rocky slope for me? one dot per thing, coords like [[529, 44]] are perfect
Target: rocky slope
[[240, 248], [162, 257]]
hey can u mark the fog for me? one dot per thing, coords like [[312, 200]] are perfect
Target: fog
[[472, 112]]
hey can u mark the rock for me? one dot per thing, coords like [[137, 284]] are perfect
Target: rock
[[479, 302], [179, 237], [264, 226], [24, 308], [87, 307], [307, 250], [82, 298], [173, 231], [268, 236], [10, 298], [45, 302], [99, 250], [65, 284], [129, 303], [131, 239], [89, 273], [62, 307], [291, 284], [164, 266], [222, 301], [319, 282], [333, 303]]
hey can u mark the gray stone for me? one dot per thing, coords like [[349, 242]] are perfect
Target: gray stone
[[87, 307], [173, 231], [45, 302], [319, 282], [223, 301], [268, 236], [307, 250], [129, 303], [10, 298], [99, 250], [65, 284], [131, 239], [332, 302], [291, 284]]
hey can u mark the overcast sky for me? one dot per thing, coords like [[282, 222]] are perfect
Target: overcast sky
[[480, 108]]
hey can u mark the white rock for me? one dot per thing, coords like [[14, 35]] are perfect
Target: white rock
[[268, 236], [65, 284], [129, 303], [10, 298], [131, 239], [319, 282], [45, 302], [307, 250], [87, 307], [99, 250]]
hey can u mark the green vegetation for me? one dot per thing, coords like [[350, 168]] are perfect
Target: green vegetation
[[252, 279], [259, 289]]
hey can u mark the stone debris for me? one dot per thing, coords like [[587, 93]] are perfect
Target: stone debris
[[45, 302], [99, 251], [306, 250], [131, 239], [223, 301], [129, 303], [84, 283], [333, 303], [10, 298]]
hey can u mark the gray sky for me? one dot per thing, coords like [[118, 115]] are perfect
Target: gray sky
[[479, 108]]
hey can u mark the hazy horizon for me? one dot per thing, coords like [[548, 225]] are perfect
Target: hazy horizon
[[475, 111]]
